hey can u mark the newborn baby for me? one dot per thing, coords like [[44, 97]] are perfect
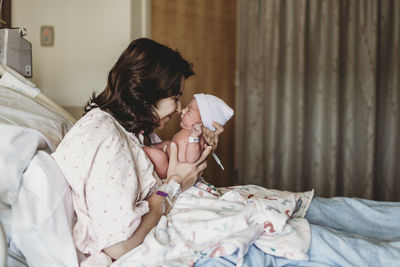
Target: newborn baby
[[202, 110]]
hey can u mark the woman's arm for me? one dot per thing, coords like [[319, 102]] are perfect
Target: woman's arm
[[186, 175], [149, 220]]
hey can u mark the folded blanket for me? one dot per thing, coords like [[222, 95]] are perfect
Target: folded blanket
[[210, 222]]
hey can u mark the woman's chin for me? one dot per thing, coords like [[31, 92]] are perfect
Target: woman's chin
[[162, 125], [163, 122]]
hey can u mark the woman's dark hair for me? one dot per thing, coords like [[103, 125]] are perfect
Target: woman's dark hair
[[145, 73]]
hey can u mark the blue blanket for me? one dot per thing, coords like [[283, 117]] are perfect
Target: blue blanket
[[344, 232]]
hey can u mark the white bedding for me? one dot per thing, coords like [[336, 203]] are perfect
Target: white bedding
[[203, 224], [35, 206], [42, 216], [21, 110]]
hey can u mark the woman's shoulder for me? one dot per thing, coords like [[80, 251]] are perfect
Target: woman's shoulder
[[95, 116], [96, 126], [96, 120], [96, 129]]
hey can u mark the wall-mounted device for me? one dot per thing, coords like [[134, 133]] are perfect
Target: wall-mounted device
[[16, 51]]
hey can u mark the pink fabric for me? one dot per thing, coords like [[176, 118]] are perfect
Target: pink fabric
[[110, 177]]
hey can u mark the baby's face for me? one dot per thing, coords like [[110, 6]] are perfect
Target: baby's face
[[190, 115]]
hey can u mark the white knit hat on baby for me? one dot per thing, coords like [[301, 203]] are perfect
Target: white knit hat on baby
[[212, 109]]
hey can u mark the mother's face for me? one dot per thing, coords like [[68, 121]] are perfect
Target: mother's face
[[166, 107]]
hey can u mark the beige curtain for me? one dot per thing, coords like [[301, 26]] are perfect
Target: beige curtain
[[319, 96]]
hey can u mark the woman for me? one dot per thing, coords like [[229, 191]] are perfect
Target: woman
[[111, 178]]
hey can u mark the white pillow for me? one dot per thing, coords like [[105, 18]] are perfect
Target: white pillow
[[43, 215], [17, 147], [25, 126], [39, 223], [19, 109]]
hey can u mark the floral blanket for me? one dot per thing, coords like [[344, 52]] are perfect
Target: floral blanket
[[211, 222]]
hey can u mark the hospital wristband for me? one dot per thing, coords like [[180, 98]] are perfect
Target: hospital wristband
[[165, 195], [168, 191], [193, 139]]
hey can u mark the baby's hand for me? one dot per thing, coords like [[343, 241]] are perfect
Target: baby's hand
[[196, 130]]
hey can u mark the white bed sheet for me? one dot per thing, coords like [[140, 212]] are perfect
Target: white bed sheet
[[43, 215], [35, 203]]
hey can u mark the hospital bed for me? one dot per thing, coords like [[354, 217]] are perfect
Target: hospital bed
[[34, 223]]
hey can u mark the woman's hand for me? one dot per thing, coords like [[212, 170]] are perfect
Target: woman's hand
[[185, 173], [212, 137]]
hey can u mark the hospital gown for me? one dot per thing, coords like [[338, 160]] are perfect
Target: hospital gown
[[110, 177]]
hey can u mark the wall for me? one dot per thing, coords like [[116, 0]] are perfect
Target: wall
[[205, 33], [89, 37]]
